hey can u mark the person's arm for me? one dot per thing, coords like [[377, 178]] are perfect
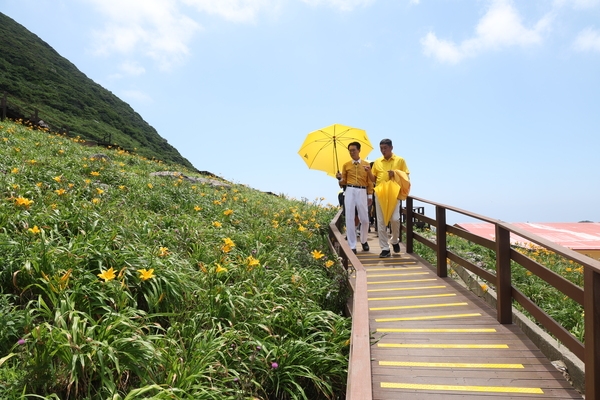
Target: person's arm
[[369, 191], [342, 177], [372, 177]]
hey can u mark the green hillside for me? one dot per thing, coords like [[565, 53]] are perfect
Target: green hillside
[[36, 77], [118, 283]]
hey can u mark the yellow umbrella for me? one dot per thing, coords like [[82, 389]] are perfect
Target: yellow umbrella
[[387, 196], [327, 149], [402, 179]]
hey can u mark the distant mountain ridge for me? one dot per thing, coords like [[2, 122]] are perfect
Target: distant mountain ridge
[[36, 77]]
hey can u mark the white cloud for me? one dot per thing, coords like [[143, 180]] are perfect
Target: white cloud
[[443, 50], [234, 10], [136, 95], [154, 28], [577, 4], [343, 5], [587, 40], [132, 68], [500, 27], [163, 29]]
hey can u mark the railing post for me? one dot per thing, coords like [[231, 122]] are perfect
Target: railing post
[[409, 225], [591, 304], [503, 276], [440, 235], [4, 106]]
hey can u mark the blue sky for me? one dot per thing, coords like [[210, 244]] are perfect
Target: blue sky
[[494, 104]]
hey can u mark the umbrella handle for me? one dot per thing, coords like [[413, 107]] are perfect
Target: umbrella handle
[[337, 164]]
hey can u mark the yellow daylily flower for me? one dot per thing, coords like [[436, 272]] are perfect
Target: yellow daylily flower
[[64, 280], [23, 202], [146, 274], [34, 230], [252, 262], [317, 254], [220, 269], [108, 275]]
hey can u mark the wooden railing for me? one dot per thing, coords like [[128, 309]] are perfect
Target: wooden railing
[[35, 120], [359, 386], [588, 296]]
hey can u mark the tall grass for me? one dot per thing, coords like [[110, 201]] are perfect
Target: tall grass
[[116, 284]]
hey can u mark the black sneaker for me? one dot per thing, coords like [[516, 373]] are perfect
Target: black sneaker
[[396, 247], [365, 246], [385, 254], [354, 251]]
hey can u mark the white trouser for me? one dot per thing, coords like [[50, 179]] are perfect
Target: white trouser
[[384, 240], [356, 199]]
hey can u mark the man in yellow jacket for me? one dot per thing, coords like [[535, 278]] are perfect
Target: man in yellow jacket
[[384, 169], [358, 195]]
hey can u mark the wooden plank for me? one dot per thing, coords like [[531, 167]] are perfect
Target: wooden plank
[[449, 325]]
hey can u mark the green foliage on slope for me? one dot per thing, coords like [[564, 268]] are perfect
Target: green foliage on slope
[[116, 284], [36, 77]]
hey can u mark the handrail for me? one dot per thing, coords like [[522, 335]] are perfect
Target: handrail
[[359, 382], [589, 296]]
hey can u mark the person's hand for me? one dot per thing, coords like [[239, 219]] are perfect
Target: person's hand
[[367, 168], [391, 174], [338, 176]]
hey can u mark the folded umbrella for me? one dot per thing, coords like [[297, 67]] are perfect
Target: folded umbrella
[[387, 197]]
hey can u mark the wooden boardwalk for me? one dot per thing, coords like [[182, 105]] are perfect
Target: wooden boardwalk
[[434, 339]]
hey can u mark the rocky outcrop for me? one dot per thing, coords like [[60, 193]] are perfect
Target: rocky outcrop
[[194, 179]]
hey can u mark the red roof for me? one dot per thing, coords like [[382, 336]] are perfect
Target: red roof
[[574, 235]]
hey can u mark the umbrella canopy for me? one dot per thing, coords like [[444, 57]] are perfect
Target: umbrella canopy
[[387, 196], [327, 149]]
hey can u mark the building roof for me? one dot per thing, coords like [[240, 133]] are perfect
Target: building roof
[[573, 235]]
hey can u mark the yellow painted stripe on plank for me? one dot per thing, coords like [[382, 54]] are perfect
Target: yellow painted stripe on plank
[[448, 365], [437, 330], [407, 288], [401, 281], [418, 306], [394, 273], [486, 389], [390, 269], [441, 346], [392, 262], [427, 317], [419, 296], [397, 274]]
